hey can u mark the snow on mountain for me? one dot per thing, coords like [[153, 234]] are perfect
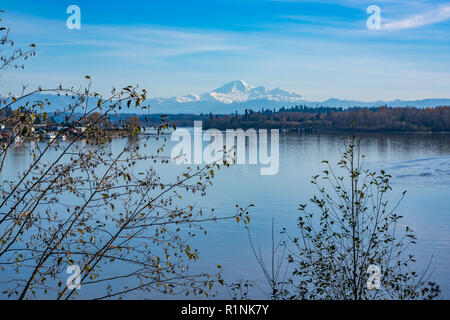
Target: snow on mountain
[[239, 95], [234, 87], [188, 98], [237, 92]]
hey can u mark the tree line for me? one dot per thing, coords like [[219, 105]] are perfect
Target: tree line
[[323, 118]]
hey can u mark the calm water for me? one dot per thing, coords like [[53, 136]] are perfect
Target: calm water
[[419, 163]]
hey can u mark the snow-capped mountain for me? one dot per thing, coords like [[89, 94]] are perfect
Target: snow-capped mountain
[[239, 95], [240, 91], [237, 91]]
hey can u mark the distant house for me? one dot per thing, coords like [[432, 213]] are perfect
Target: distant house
[[39, 127], [51, 136], [81, 129], [18, 140]]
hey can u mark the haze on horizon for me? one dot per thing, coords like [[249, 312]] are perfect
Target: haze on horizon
[[317, 49]]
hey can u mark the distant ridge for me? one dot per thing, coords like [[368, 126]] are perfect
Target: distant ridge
[[239, 95]]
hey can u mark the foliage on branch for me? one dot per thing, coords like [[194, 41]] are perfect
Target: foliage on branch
[[79, 202]]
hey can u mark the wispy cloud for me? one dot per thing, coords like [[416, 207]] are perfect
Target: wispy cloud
[[317, 51], [437, 15], [146, 41]]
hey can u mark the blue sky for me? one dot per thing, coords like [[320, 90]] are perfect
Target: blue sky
[[319, 49]]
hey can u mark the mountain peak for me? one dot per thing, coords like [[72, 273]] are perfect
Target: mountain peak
[[233, 87], [238, 91]]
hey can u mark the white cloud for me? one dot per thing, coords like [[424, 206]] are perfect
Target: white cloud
[[440, 14], [143, 41], [320, 59]]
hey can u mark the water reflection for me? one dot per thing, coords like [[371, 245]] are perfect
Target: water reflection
[[419, 163]]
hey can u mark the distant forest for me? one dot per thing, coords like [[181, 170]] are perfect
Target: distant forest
[[338, 119], [304, 118], [299, 118]]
